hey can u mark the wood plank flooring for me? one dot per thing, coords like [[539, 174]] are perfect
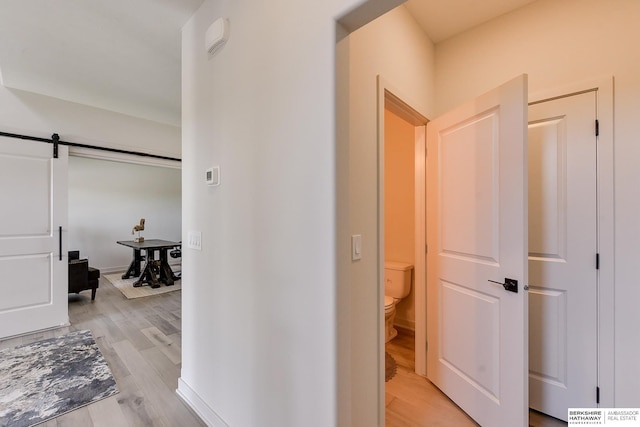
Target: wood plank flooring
[[140, 340], [413, 401]]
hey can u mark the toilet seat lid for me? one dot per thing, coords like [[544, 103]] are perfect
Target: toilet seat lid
[[388, 301]]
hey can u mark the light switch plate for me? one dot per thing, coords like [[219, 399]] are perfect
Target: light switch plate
[[194, 240], [356, 247], [212, 176]]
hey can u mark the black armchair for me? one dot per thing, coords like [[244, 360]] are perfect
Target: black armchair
[[81, 276]]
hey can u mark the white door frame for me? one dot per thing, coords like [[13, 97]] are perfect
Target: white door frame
[[397, 102], [604, 88]]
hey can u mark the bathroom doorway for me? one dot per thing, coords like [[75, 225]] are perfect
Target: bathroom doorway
[[402, 158], [392, 119]]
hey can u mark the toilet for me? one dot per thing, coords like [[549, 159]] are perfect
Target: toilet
[[398, 277]]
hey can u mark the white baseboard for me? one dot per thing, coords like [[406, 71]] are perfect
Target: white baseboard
[[37, 331], [197, 405], [111, 270]]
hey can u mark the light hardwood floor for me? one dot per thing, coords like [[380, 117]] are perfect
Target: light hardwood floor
[[140, 340], [413, 401]]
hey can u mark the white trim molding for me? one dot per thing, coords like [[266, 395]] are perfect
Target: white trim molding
[[95, 153], [193, 401]]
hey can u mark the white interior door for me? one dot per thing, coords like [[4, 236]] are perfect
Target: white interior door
[[33, 269], [562, 254], [477, 232]]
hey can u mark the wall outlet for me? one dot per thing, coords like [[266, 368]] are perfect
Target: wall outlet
[[194, 240]]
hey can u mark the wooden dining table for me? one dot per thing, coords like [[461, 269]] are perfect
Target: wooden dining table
[[156, 270]]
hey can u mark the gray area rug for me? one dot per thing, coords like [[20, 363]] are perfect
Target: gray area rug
[[48, 378], [126, 287]]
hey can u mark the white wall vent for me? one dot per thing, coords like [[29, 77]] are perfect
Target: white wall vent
[[217, 35]]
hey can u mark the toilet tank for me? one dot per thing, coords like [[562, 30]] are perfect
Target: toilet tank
[[397, 279]]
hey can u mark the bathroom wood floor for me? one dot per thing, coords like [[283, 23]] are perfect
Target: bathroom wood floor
[[412, 401]]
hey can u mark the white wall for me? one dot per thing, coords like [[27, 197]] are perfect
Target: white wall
[[394, 47], [38, 115], [557, 44], [106, 199], [258, 301], [259, 306], [101, 193]]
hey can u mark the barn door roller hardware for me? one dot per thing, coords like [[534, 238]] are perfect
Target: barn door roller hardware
[[55, 139]]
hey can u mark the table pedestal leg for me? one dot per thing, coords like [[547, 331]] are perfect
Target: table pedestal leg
[[148, 273], [166, 274], [134, 267]]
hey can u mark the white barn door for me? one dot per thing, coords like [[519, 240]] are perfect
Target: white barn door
[[477, 233], [33, 254]]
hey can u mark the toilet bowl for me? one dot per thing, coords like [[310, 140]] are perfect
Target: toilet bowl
[[389, 316], [398, 277]]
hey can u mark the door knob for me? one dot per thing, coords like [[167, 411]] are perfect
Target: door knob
[[510, 285]]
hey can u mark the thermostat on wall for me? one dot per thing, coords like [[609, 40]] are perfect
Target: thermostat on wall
[[213, 176]]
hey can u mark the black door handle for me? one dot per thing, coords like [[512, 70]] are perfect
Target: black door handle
[[510, 285]]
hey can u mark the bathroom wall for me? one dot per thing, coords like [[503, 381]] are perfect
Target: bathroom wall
[[399, 203]]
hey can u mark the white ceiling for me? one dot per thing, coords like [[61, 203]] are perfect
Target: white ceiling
[[124, 55], [444, 19], [121, 55]]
